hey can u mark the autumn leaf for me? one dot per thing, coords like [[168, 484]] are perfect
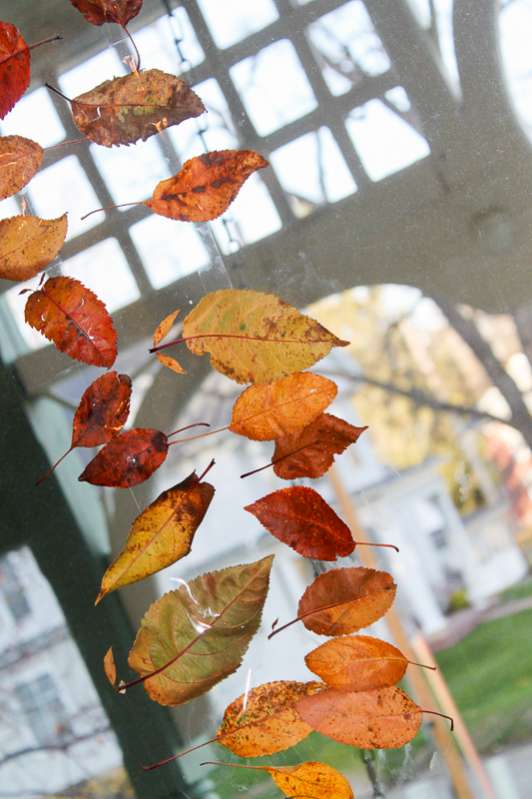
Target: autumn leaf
[[100, 415], [109, 666], [264, 720], [127, 459], [161, 534], [14, 67], [342, 601], [137, 106], [312, 780], [310, 453], [205, 186], [267, 411], [99, 11], [385, 718], [20, 159], [301, 518], [357, 663], [29, 244], [161, 331], [253, 337], [77, 322], [197, 635]]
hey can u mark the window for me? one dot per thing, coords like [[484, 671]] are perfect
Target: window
[[13, 590], [43, 709]]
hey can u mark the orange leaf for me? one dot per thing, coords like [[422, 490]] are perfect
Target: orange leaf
[[310, 453], [14, 67], [267, 411], [264, 720], [357, 663], [77, 322], [20, 159], [382, 719], [311, 780], [161, 331], [109, 666], [205, 186], [301, 518], [99, 11], [128, 459], [102, 410], [341, 601], [28, 244]]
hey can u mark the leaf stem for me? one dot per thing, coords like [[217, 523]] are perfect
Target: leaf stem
[[206, 471], [265, 339], [201, 435], [304, 616], [442, 715], [65, 142], [277, 460], [49, 39], [52, 468], [188, 426], [232, 765], [134, 46], [110, 208], [374, 544], [422, 665], [57, 91], [166, 760]]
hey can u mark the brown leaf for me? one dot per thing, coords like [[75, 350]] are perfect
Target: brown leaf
[[20, 159], [357, 663], [382, 719], [310, 453], [109, 666], [264, 720], [341, 601], [205, 186], [127, 459], [197, 635], [102, 410], [161, 331], [28, 244], [77, 322], [134, 107], [301, 518], [264, 412], [161, 535], [99, 11]]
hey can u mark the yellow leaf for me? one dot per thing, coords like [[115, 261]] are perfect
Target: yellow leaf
[[109, 666], [254, 337], [161, 535], [313, 780], [28, 244], [269, 411], [161, 331]]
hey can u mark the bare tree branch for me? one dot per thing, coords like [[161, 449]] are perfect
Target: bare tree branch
[[53, 747]]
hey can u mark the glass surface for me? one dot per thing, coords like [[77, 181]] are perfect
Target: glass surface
[[396, 210]]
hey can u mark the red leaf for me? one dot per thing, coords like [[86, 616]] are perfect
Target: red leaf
[[102, 411], [14, 67], [99, 11], [77, 322], [301, 518], [128, 459]]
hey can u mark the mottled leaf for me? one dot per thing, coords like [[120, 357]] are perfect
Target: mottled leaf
[[301, 518], [264, 720], [109, 666], [312, 780], [20, 159], [161, 331], [127, 459], [99, 11], [193, 637], [357, 663], [77, 322], [205, 186], [310, 453], [254, 337], [29, 244], [385, 718], [134, 107], [14, 67], [161, 534], [268, 411], [102, 410]]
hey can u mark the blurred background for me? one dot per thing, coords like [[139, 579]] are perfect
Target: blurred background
[[397, 211]]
